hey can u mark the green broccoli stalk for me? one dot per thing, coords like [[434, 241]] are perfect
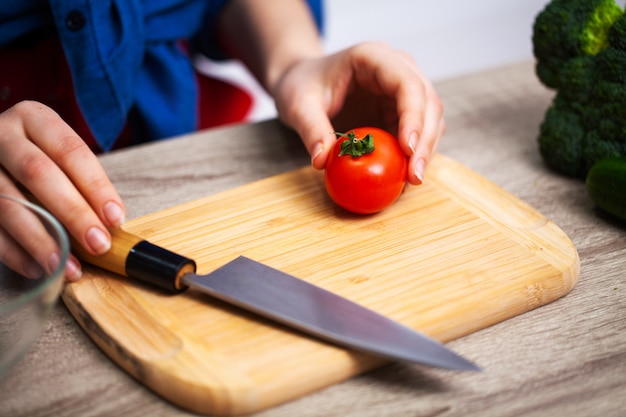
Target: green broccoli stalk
[[580, 46]]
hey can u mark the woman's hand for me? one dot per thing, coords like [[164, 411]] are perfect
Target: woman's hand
[[369, 84], [40, 152]]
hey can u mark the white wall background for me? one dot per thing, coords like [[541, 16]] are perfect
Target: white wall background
[[447, 38]]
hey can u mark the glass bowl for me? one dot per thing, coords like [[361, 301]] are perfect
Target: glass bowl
[[25, 302]]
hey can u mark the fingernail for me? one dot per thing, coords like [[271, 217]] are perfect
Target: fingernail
[[419, 169], [413, 141], [53, 261], [98, 241], [317, 150], [72, 270], [114, 214], [32, 269]]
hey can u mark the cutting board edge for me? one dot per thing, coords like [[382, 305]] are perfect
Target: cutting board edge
[[524, 223]]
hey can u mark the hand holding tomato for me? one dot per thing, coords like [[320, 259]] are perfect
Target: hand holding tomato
[[369, 84], [366, 170]]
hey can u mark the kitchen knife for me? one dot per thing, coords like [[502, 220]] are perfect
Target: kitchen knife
[[278, 296]]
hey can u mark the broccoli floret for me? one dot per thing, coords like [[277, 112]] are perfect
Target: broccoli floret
[[566, 29], [580, 46], [561, 138], [617, 35]]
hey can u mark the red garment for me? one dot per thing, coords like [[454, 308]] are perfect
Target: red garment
[[37, 70], [220, 103]]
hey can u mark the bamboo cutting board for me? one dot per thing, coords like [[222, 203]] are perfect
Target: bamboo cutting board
[[450, 257]]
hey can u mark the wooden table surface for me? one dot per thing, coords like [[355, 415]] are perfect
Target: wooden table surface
[[567, 358]]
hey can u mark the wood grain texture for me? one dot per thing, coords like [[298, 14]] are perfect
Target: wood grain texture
[[450, 257], [567, 358]]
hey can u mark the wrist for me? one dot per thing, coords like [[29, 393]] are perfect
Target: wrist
[[269, 37], [280, 66]]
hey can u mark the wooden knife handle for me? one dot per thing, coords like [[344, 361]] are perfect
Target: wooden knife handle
[[137, 258]]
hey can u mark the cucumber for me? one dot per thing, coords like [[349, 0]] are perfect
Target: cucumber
[[606, 185]]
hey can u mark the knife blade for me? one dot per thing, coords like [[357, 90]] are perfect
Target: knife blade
[[278, 296]]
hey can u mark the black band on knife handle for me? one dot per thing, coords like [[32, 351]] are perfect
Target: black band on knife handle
[[158, 266]]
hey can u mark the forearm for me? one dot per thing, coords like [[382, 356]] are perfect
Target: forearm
[[268, 36]]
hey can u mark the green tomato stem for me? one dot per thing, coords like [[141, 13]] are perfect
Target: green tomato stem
[[354, 146]]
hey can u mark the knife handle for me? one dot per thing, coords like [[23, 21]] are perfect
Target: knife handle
[[137, 258]]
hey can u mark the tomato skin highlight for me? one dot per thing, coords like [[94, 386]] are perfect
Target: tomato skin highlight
[[369, 183]]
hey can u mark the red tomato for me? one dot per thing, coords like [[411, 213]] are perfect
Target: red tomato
[[370, 182]]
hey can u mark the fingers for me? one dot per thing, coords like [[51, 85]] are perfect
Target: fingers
[[420, 131], [83, 176], [43, 154], [28, 245], [304, 101], [419, 109], [16, 258], [25, 242], [317, 133], [359, 84]]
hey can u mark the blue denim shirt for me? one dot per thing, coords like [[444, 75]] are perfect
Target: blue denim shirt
[[126, 54]]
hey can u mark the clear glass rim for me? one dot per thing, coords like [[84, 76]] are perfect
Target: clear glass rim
[[64, 247]]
